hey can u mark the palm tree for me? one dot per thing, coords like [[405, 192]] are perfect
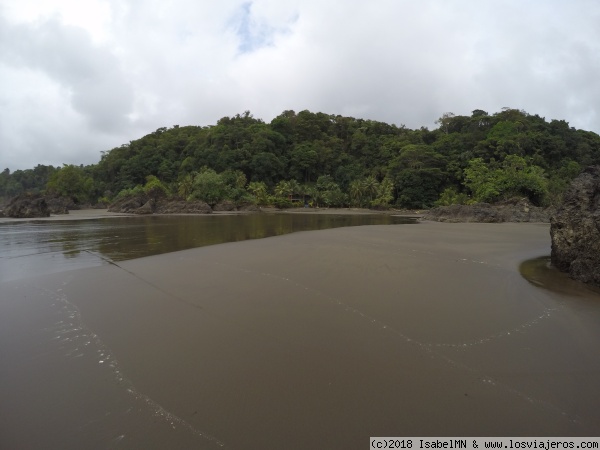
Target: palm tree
[[370, 187], [385, 193], [186, 185], [314, 194], [356, 191], [305, 190], [294, 187], [259, 190], [282, 189]]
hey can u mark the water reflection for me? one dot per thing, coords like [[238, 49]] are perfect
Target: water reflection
[[541, 273], [42, 247], [155, 234]]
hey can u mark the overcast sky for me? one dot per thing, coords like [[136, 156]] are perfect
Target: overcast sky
[[79, 77]]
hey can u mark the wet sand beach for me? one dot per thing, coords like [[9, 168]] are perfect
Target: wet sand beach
[[315, 340]]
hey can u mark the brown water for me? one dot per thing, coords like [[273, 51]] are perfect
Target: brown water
[[541, 273], [43, 247]]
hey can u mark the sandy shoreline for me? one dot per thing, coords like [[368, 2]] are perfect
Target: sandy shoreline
[[309, 340], [86, 214], [82, 214]]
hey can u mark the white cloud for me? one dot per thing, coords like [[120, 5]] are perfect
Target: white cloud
[[129, 67], [37, 126]]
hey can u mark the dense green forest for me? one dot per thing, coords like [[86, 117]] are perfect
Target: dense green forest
[[333, 161]]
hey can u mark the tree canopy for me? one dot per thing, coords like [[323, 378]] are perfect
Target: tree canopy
[[334, 161]]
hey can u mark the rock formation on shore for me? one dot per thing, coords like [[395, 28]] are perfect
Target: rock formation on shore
[[60, 205], [27, 206], [127, 204], [145, 205], [575, 229], [225, 205], [514, 210], [142, 204], [183, 207]]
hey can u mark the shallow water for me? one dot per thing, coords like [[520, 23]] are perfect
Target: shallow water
[[541, 273], [44, 247]]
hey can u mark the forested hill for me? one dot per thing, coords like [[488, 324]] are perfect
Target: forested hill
[[336, 160]]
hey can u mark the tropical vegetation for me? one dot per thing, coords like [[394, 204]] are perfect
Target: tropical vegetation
[[330, 160]]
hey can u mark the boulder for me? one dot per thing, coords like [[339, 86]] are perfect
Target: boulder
[[225, 205], [146, 208], [521, 210], [128, 204], [183, 207], [250, 207], [575, 229], [479, 212], [27, 206], [60, 205]]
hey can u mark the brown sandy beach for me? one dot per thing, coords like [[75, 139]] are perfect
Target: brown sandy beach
[[310, 340]]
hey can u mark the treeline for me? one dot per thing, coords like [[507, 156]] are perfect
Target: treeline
[[333, 161]]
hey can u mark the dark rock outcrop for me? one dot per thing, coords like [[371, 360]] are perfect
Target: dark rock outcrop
[[575, 229], [146, 208], [225, 205], [183, 207], [249, 208], [26, 206], [60, 205], [128, 204], [145, 205], [479, 212], [514, 210]]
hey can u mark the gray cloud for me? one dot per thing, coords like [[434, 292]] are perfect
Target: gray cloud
[[187, 62], [91, 78]]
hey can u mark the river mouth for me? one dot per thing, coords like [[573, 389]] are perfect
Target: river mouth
[[43, 247], [541, 273]]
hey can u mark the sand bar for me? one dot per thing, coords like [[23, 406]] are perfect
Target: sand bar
[[310, 340], [76, 214], [84, 214]]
